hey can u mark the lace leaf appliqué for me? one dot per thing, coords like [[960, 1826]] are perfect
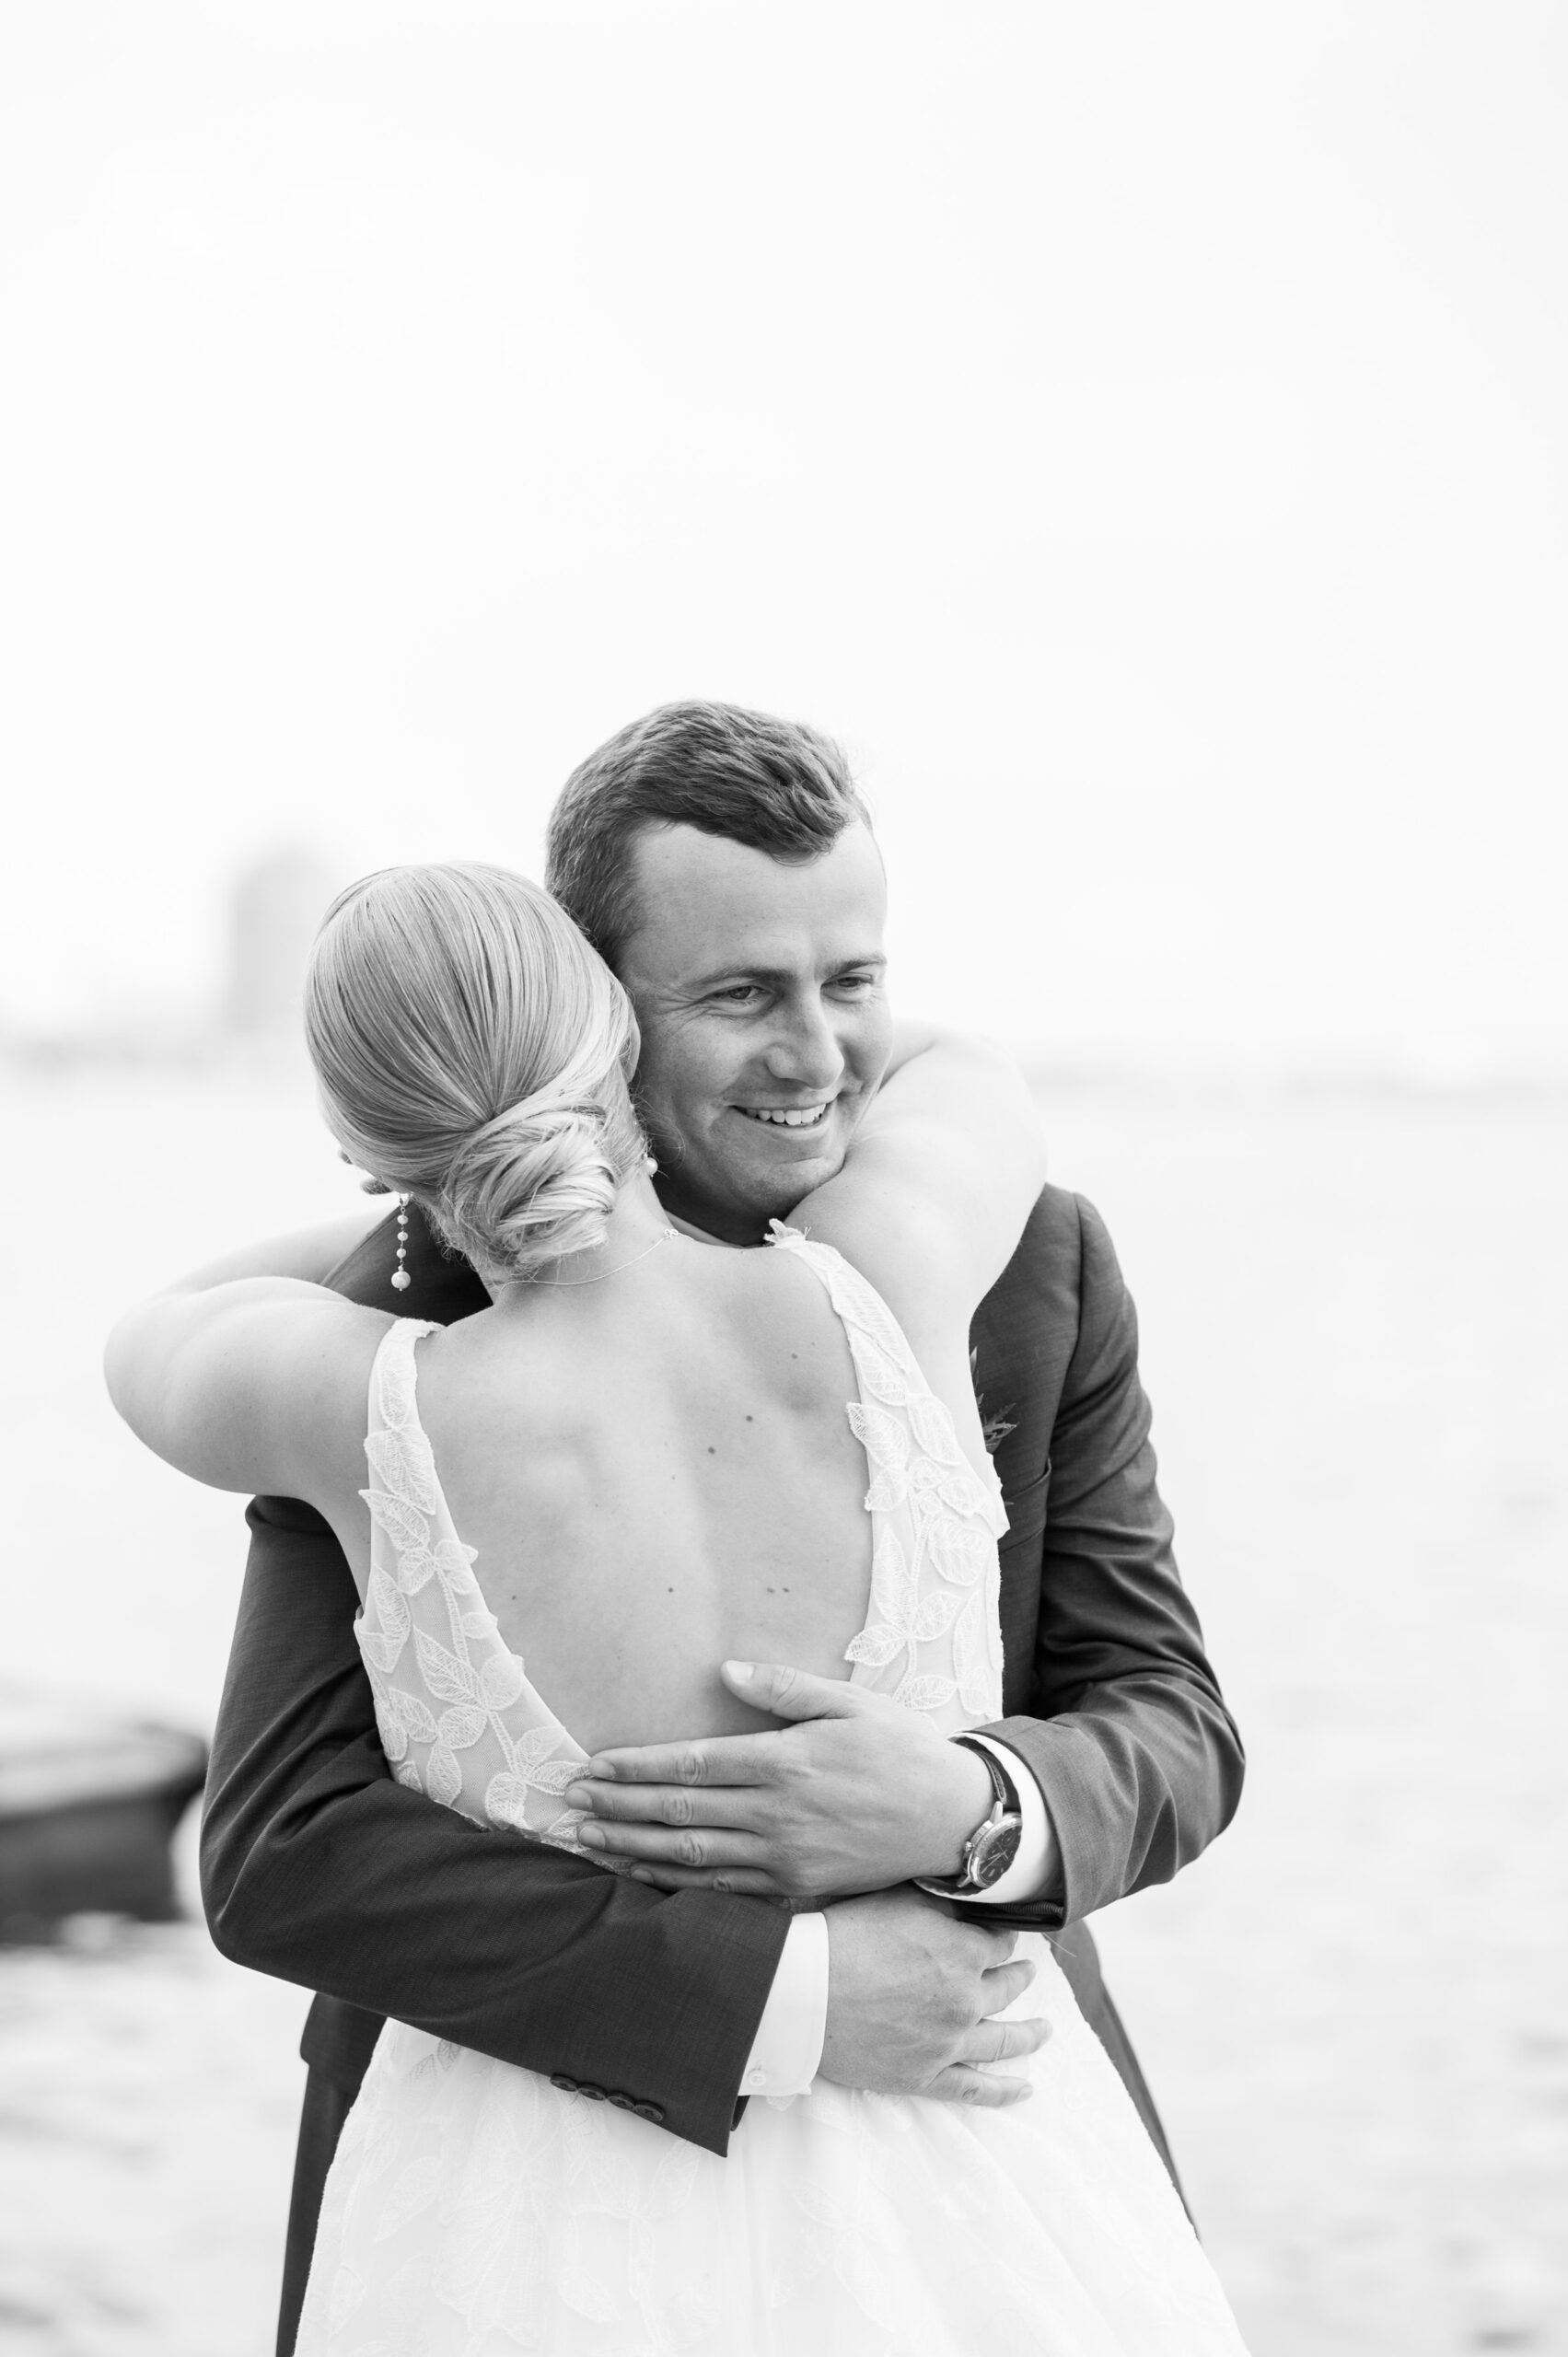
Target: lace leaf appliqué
[[457, 1719], [932, 1636]]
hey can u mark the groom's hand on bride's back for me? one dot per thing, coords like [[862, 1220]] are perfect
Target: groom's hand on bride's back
[[857, 1794], [913, 1996]]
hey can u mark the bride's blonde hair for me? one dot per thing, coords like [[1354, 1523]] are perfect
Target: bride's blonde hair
[[474, 1051]]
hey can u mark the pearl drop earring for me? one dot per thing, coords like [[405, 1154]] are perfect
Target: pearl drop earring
[[400, 1277]]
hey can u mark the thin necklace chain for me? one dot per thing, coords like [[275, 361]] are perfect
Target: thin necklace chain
[[665, 1236]]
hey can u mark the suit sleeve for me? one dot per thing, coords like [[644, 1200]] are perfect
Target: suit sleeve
[[316, 1867], [1129, 1741]]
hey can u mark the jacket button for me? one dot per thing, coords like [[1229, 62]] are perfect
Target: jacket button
[[622, 2103], [595, 2095], [654, 2112], [559, 2079]]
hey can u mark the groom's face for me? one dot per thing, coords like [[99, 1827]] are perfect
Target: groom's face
[[759, 989]]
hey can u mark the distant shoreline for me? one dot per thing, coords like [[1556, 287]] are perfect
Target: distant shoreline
[[267, 1057]]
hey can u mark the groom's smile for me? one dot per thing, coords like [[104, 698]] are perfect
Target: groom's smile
[[791, 1117], [759, 988]]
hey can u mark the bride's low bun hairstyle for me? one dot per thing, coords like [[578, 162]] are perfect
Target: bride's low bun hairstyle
[[538, 1182], [474, 1052]]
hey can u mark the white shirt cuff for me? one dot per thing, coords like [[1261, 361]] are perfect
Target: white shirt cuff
[[787, 2051], [1034, 1867]]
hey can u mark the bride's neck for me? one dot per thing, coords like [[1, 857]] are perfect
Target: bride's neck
[[637, 1223]]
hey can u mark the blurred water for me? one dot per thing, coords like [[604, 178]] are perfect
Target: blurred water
[[1356, 1336], [1356, 1316]]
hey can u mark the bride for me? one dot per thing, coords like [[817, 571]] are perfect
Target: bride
[[653, 1454]]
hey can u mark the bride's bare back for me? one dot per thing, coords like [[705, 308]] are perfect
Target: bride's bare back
[[657, 1475]]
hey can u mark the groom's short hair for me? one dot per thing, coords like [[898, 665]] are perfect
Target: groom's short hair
[[776, 784]]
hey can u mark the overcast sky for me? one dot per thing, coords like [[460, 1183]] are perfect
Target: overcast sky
[[1138, 432]]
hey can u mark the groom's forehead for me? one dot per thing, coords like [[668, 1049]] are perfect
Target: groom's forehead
[[705, 898]]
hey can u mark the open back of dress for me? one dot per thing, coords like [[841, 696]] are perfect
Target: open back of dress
[[458, 1716], [477, 2210]]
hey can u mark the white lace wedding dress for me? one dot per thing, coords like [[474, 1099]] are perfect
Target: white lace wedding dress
[[475, 2210]]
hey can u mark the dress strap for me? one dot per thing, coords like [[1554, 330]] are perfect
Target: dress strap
[[894, 1392], [459, 1718], [932, 1637]]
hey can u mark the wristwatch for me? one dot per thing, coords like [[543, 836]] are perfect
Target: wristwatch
[[992, 1846]]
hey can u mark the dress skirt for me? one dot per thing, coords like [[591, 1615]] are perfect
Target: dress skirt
[[475, 2210]]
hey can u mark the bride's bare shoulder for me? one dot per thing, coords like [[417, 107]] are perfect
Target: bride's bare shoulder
[[939, 1182]]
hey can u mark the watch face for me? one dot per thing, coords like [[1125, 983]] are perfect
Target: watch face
[[994, 1851]]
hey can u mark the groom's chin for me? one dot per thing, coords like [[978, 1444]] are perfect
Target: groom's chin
[[804, 1179], [737, 1205]]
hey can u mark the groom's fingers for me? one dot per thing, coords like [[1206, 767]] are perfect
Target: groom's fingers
[[658, 1846], [794, 1693], [741, 1882], [716, 1760], [987, 2090], [1004, 1983], [1004, 2042], [971, 2078], [672, 1805]]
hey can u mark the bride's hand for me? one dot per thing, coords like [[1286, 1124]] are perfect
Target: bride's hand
[[859, 1794]]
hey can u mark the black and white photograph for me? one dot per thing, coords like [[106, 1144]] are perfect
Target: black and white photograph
[[783, 1027]]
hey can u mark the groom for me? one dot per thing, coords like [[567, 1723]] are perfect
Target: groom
[[722, 863]]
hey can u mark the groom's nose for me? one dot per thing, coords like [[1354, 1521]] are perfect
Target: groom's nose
[[805, 1048]]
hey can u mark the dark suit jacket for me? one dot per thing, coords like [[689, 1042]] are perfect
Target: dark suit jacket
[[318, 1868]]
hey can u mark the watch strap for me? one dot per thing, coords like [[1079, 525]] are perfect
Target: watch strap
[[1001, 1784], [1005, 1805]]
